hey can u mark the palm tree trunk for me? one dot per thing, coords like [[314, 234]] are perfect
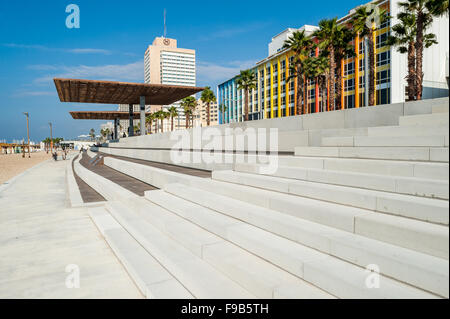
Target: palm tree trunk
[[162, 125], [187, 120], [411, 78], [171, 123], [332, 82], [299, 110], [208, 115], [246, 105], [371, 69], [419, 55], [338, 88]]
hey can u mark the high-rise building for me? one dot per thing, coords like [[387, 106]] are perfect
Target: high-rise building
[[200, 117], [275, 96], [165, 63]]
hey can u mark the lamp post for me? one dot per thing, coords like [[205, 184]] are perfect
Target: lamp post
[[51, 138], [28, 133]]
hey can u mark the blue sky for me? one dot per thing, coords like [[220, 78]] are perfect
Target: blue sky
[[36, 46]]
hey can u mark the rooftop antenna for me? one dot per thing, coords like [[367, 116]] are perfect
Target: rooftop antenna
[[165, 28]]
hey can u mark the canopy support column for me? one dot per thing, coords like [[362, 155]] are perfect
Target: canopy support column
[[131, 128], [142, 105], [116, 123]]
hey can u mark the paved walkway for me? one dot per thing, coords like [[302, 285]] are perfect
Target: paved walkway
[[40, 236], [132, 184]]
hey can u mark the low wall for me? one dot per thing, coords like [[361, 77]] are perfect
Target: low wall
[[303, 130]]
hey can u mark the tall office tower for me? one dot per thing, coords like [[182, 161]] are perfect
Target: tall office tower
[[165, 63]]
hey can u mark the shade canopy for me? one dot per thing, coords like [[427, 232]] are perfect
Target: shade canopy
[[103, 115], [108, 92]]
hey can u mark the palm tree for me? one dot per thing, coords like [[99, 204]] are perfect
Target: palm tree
[[403, 36], [222, 108], [149, 121], [364, 23], [173, 112], [208, 97], [424, 17], [328, 35], [246, 81], [92, 134], [162, 115], [317, 69], [301, 45], [343, 49], [189, 104], [438, 8]]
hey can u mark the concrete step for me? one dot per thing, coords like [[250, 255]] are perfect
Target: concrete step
[[283, 252], [395, 184], [430, 210], [401, 141], [256, 275], [428, 170], [424, 119], [200, 278], [443, 108], [417, 130], [392, 260], [153, 280], [429, 238], [432, 154]]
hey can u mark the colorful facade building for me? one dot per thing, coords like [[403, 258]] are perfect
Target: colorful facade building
[[277, 97]]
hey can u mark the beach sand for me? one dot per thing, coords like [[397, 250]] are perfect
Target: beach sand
[[13, 164]]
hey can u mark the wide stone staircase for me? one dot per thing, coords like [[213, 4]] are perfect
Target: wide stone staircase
[[363, 216]]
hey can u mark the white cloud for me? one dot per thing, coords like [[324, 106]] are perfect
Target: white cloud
[[228, 32], [89, 50], [111, 72], [208, 71], [34, 93], [45, 48]]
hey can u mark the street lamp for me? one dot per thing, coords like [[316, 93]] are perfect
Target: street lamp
[[28, 133], [51, 138]]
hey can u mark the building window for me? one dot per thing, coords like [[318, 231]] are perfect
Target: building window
[[383, 76], [349, 68], [361, 65], [349, 101], [382, 40], [383, 58], [362, 82], [384, 96], [349, 85]]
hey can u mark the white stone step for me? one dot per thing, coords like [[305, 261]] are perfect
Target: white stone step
[[433, 154], [200, 278], [153, 280], [428, 170], [416, 235], [392, 131], [443, 108], [401, 141], [424, 119], [259, 277], [395, 184], [431, 210], [343, 217], [397, 262]]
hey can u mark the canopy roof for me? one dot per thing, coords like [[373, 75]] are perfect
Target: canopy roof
[[108, 92], [104, 115]]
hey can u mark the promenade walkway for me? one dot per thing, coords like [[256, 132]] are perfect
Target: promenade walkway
[[40, 236]]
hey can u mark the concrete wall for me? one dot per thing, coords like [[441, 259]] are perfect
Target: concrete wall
[[304, 130]]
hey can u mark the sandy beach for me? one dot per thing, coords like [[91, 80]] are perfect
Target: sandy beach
[[13, 164]]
